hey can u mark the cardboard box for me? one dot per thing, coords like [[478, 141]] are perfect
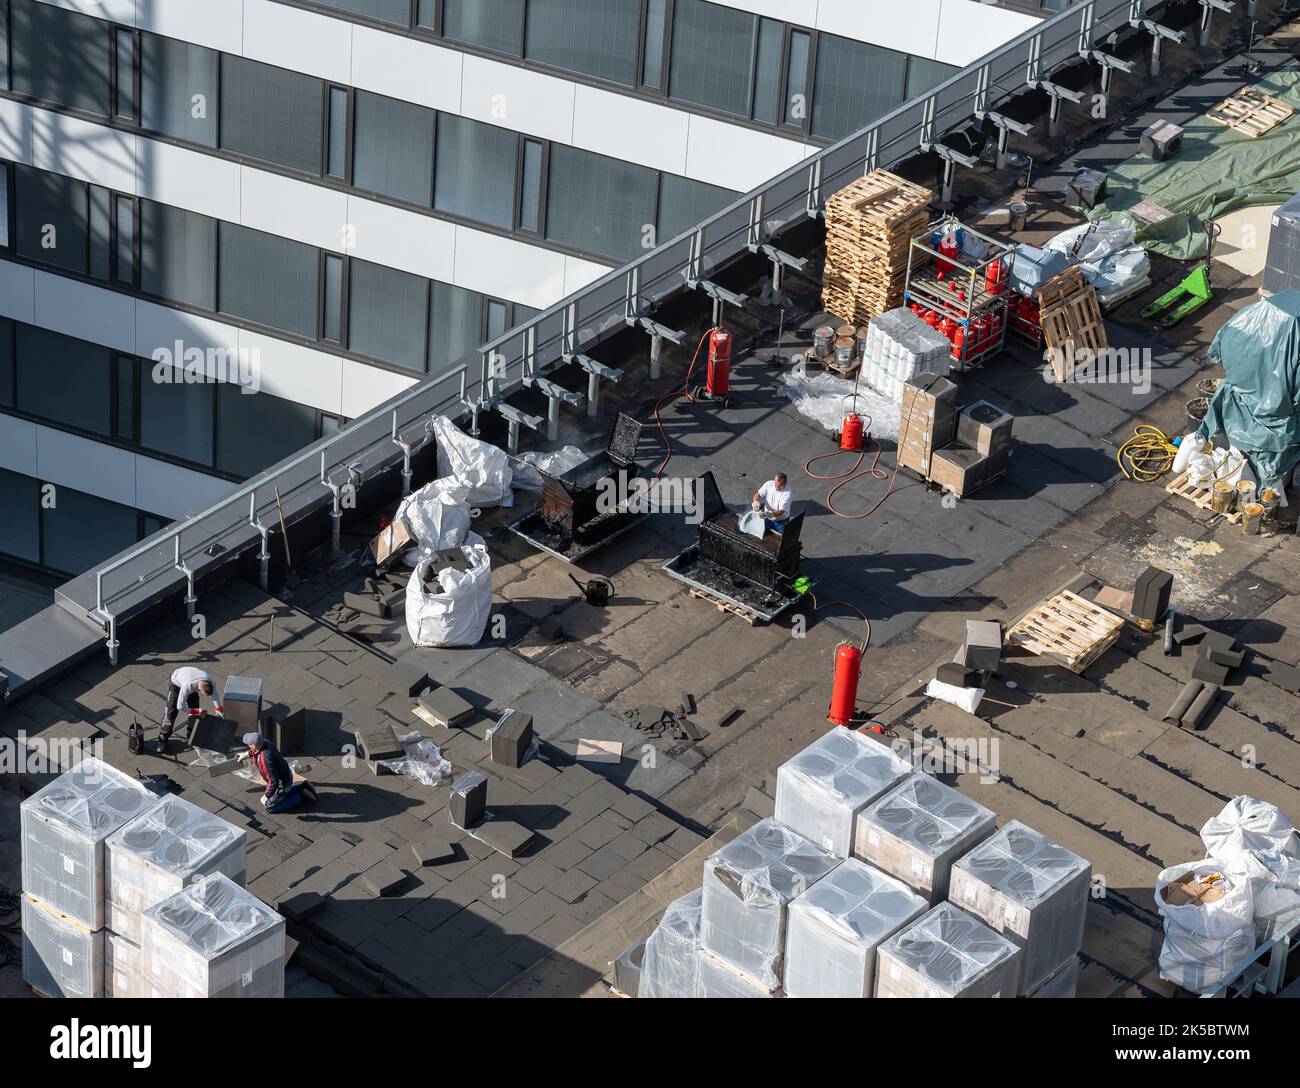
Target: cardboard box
[[928, 420], [984, 427], [391, 542], [959, 469], [946, 953]]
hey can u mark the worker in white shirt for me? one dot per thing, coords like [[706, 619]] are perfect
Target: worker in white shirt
[[186, 688], [774, 500]]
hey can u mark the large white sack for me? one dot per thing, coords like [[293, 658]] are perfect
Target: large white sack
[[437, 515], [555, 463], [480, 466], [1257, 842], [1203, 943], [458, 615]]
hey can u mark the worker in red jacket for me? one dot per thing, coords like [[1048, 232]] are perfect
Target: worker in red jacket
[[282, 793]]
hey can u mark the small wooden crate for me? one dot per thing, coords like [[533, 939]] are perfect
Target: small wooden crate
[[1198, 497], [1070, 317], [1067, 629], [1250, 112]]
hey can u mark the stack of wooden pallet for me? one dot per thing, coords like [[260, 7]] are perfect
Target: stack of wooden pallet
[[869, 226], [1071, 321], [1067, 629]]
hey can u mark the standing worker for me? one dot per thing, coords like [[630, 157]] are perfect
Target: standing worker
[[282, 793], [187, 685], [774, 499]]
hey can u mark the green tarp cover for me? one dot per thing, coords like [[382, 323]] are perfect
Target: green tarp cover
[[1217, 171], [1257, 407]]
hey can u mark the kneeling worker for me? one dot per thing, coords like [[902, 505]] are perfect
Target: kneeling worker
[[282, 793], [187, 685], [774, 499]]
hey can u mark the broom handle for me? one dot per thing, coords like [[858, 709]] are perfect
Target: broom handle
[[284, 533]]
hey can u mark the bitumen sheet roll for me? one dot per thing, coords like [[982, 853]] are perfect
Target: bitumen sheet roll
[[1200, 705], [1184, 701]]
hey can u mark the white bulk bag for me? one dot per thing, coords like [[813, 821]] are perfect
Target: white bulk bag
[[437, 515], [555, 463], [1204, 942], [480, 466], [458, 615], [1257, 842]]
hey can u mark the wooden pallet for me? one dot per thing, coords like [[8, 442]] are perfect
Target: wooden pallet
[[726, 606], [1250, 112], [1070, 317], [1067, 629], [1198, 497]]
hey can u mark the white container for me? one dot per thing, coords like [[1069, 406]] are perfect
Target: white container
[[61, 957], [947, 953], [213, 940], [748, 886], [162, 851], [670, 967], [820, 791], [64, 827], [837, 924]]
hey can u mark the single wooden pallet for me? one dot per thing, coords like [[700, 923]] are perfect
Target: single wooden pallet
[[725, 606], [1062, 287], [1198, 497], [1067, 629], [1250, 112], [1070, 320]]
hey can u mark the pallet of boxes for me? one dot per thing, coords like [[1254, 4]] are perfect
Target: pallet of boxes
[[872, 880], [869, 228], [958, 451], [130, 895]]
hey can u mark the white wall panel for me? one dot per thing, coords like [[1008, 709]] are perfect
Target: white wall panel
[[365, 386], [414, 243], [83, 149], [508, 269], [736, 158], [85, 465], [218, 24], [293, 209], [189, 179], [629, 129], [172, 491], [578, 273], [403, 68], [516, 98], [297, 373], [296, 39], [159, 327], [85, 311]]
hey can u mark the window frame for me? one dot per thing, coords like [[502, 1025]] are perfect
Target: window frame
[[117, 32], [544, 165], [328, 88]]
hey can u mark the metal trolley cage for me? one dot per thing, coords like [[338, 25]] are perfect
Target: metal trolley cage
[[1264, 972], [626, 297], [961, 294]]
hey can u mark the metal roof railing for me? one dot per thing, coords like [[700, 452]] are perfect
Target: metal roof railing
[[623, 298]]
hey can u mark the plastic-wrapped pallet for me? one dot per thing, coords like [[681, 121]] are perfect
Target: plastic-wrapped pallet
[[899, 345], [836, 926], [1258, 842], [61, 957], [213, 939], [1030, 890], [64, 826], [820, 792], [162, 851], [719, 979], [918, 829], [1209, 923], [947, 953], [748, 886], [670, 967], [1064, 982], [122, 975]]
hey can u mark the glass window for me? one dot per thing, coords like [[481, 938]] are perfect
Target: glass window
[[63, 380], [124, 75], [178, 89], [101, 231], [497, 318], [20, 528], [493, 24], [4, 206], [855, 83], [271, 114], [922, 74], [456, 325], [594, 37], [52, 225], [598, 204], [176, 415], [333, 312], [336, 154], [397, 12], [126, 368], [393, 148], [6, 364], [124, 270], [713, 56], [257, 430], [476, 171], [426, 14], [683, 203], [767, 73], [60, 56], [68, 547], [652, 59], [271, 280], [530, 188], [178, 255], [796, 85], [388, 314]]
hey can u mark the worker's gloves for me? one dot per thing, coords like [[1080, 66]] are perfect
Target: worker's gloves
[[757, 506], [262, 799]]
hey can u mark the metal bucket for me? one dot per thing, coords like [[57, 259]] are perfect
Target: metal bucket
[[1222, 497], [844, 349], [1196, 410], [1018, 213], [1245, 493], [1207, 387], [822, 337], [862, 341], [1251, 515]]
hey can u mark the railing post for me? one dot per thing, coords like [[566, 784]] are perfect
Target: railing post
[[191, 600], [263, 556]]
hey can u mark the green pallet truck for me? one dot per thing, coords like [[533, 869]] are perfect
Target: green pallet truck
[[1195, 285]]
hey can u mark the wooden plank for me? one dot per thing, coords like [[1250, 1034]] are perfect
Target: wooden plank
[[1250, 112], [1198, 497], [1067, 629]]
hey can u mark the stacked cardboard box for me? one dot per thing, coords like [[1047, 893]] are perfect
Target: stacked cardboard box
[[947, 953], [899, 346], [869, 228], [927, 421], [1031, 891], [64, 829]]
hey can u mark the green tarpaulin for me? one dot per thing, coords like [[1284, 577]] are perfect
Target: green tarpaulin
[[1217, 171]]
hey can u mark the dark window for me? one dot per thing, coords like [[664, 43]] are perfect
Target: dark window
[[124, 268], [713, 56], [271, 114], [271, 280], [855, 83], [4, 206], [20, 528], [178, 89], [652, 59], [595, 37], [176, 414], [51, 218], [599, 204], [64, 380], [796, 83], [767, 75], [530, 187], [101, 231], [426, 14], [493, 24], [476, 171], [256, 430], [60, 56], [124, 75], [125, 370], [683, 203], [336, 153], [397, 12], [456, 325], [68, 547], [178, 255], [6, 363], [332, 319], [497, 319], [388, 314], [922, 74], [393, 148]]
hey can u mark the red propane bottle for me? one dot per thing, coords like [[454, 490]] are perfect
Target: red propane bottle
[[844, 693], [851, 433], [719, 378]]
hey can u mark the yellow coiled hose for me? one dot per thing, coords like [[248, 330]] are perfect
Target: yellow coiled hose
[[1147, 456]]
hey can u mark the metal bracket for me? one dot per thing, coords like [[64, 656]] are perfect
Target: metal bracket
[[514, 419], [1004, 125], [950, 159], [1208, 7], [1109, 65], [596, 370], [658, 334], [408, 448], [554, 395], [264, 556], [191, 601], [336, 490], [1159, 33]]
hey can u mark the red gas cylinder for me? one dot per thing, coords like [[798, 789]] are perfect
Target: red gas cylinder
[[844, 694], [981, 332], [932, 318], [917, 309], [719, 379], [958, 342], [947, 326], [851, 433], [950, 248], [994, 277]]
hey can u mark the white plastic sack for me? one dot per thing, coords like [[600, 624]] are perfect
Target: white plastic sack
[[458, 615], [1258, 843], [751, 522], [437, 515], [423, 761], [1203, 943], [480, 466], [555, 463], [968, 699], [1107, 255]]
